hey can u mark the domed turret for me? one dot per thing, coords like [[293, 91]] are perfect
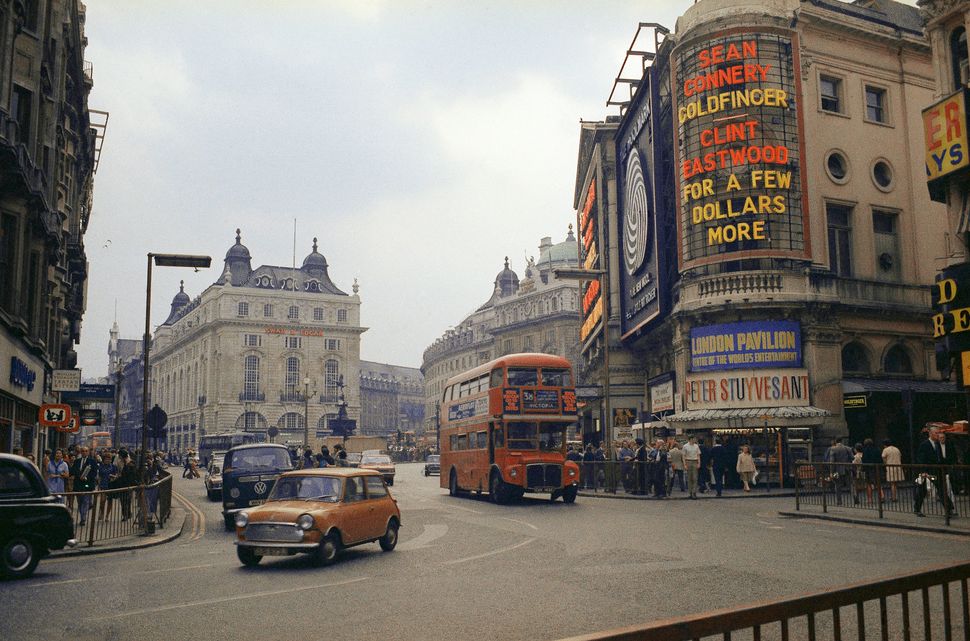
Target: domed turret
[[507, 281], [181, 300], [315, 262], [238, 262]]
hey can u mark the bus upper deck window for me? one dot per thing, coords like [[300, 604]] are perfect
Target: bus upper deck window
[[556, 377], [498, 376], [523, 376]]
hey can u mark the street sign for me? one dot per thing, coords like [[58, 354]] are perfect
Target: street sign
[[157, 418], [65, 380], [54, 415], [90, 392], [272, 432]]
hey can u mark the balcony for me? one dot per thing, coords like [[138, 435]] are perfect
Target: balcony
[[329, 398], [258, 397], [804, 286], [291, 397]]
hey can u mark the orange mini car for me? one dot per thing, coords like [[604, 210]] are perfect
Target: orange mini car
[[319, 512]]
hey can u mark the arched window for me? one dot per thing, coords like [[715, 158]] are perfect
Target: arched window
[[855, 359], [331, 379], [251, 377], [292, 374], [959, 56], [897, 361], [291, 422]]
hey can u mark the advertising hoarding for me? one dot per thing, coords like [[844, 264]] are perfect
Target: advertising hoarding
[[65, 380], [740, 389], [740, 188], [745, 345], [592, 298], [945, 130], [637, 210], [662, 396]]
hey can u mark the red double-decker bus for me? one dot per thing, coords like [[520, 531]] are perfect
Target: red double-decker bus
[[503, 428]]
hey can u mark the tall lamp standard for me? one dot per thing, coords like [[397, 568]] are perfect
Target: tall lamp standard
[[601, 276], [162, 260], [306, 411]]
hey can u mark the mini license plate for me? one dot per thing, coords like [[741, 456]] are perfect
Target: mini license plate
[[269, 551]]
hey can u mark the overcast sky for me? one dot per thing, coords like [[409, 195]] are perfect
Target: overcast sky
[[421, 142]]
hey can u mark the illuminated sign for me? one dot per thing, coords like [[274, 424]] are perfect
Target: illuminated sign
[[738, 134], [951, 300], [856, 401], [21, 375], [746, 345], [737, 389], [638, 161], [592, 299], [945, 130]]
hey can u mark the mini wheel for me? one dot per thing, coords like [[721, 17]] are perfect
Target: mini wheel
[[389, 540], [326, 553], [247, 557]]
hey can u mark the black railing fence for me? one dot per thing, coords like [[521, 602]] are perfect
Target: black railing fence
[[928, 604], [933, 491], [111, 514], [638, 477]]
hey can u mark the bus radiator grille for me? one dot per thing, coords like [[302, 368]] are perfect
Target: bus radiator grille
[[542, 475]]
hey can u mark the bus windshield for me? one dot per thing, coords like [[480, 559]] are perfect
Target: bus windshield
[[548, 437]]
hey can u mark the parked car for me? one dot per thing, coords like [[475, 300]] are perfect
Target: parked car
[[319, 512], [248, 475], [380, 462], [432, 465], [213, 476], [32, 522]]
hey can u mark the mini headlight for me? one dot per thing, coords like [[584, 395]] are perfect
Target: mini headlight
[[513, 473], [572, 472], [304, 522], [241, 519]]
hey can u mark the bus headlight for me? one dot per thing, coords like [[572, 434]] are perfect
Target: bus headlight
[[241, 519], [305, 522], [572, 472], [513, 472]]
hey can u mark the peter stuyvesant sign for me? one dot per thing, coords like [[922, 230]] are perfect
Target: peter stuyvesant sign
[[747, 388]]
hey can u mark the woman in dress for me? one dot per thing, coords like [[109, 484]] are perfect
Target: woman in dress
[[746, 467], [892, 458], [57, 473]]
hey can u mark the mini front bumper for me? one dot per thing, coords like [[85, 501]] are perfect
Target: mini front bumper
[[296, 547]]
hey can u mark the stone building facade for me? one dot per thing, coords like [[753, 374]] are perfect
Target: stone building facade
[[49, 145], [391, 399], [535, 314], [259, 348], [769, 154]]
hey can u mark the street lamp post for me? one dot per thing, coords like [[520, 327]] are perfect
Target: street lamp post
[[306, 411], [601, 276], [162, 260]]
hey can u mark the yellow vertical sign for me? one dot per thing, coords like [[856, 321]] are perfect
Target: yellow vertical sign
[[965, 368], [945, 130]]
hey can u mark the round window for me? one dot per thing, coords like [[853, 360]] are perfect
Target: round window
[[837, 166], [882, 175]]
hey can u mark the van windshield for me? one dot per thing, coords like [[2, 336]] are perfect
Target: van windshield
[[255, 458], [308, 488]]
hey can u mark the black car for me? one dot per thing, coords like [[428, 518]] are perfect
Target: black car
[[32, 522], [249, 472], [432, 465]]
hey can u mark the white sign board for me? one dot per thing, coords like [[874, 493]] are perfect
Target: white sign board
[[66, 380], [747, 388], [662, 397]]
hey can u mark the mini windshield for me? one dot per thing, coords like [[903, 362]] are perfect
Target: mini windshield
[[378, 460], [306, 488], [549, 437]]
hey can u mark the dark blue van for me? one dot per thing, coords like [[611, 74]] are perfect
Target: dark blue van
[[248, 474]]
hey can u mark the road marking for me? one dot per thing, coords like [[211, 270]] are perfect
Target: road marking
[[464, 509], [776, 527], [198, 516], [108, 576], [423, 540], [492, 553], [238, 597], [521, 522]]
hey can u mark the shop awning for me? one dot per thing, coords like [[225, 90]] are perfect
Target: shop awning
[[749, 417], [862, 385]]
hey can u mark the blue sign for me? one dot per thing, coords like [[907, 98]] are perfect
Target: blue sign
[[540, 399], [746, 345], [21, 375], [90, 392]]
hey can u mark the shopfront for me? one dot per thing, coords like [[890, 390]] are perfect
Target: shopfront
[[21, 395]]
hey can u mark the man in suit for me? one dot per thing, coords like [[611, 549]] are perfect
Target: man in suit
[[84, 471], [933, 453], [719, 463], [839, 456], [704, 474]]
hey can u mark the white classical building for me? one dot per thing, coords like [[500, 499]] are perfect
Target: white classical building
[[259, 348]]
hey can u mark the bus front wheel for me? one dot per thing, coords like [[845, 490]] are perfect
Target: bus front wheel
[[497, 489], [569, 494]]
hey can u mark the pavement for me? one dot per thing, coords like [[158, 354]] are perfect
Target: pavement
[[757, 492], [173, 528], [959, 525]]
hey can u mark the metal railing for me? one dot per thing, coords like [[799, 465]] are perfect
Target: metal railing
[[646, 478], [112, 514], [899, 607], [933, 491]]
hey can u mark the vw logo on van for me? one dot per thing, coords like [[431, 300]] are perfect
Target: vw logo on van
[[259, 487]]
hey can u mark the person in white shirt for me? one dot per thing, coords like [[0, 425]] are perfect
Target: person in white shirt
[[692, 463]]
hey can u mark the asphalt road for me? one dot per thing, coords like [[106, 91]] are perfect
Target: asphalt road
[[464, 569]]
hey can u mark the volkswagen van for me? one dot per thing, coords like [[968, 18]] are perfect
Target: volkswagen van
[[248, 475]]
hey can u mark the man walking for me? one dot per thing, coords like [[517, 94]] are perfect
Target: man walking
[[719, 463], [692, 463], [838, 456], [932, 454], [676, 459], [85, 475]]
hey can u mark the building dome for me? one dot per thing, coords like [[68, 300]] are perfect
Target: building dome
[[180, 301], [315, 260], [238, 251], [564, 252], [507, 281], [238, 264]]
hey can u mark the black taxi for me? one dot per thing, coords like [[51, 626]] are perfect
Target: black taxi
[[249, 473]]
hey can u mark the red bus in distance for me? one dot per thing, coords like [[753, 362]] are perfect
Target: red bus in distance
[[503, 429]]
